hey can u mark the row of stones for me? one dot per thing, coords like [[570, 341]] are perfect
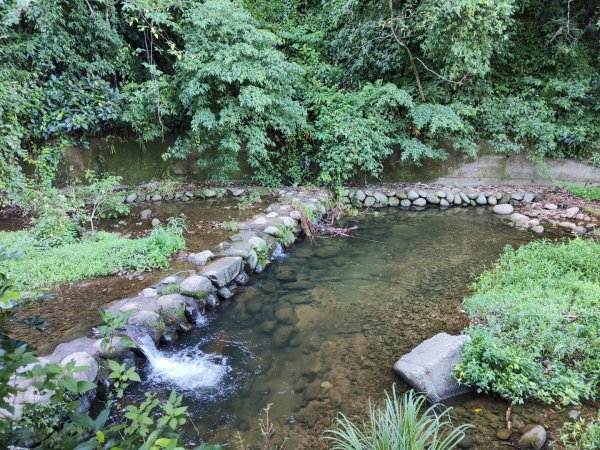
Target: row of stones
[[534, 211], [183, 196], [407, 197], [177, 301]]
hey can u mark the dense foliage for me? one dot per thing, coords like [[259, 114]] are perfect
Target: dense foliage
[[299, 90], [535, 332]]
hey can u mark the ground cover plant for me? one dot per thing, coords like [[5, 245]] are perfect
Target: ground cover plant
[[535, 325], [590, 193], [95, 255], [579, 435]]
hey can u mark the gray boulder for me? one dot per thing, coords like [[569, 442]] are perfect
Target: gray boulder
[[412, 195], [146, 214], [196, 284], [222, 271], [420, 202], [503, 209], [369, 201], [82, 359], [360, 196], [428, 367], [200, 259], [433, 199], [481, 200], [405, 203], [534, 439], [380, 197], [83, 344]]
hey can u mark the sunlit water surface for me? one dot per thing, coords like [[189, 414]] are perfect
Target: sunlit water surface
[[320, 330]]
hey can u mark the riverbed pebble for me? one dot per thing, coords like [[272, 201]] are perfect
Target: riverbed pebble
[[146, 214]]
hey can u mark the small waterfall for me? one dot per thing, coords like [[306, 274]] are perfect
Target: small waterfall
[[188, 369]]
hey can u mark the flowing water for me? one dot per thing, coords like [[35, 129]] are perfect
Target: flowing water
[[320, 330]]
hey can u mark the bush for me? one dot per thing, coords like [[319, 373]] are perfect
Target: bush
[[535, 332], [98, 255], [403, 424]]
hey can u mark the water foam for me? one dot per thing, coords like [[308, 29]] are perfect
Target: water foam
[[189, 369]]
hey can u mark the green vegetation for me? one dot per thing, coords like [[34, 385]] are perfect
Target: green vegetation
[[403, 424], [98, 255], [58, 424], [299, 90], [591, 193], [579, 435], [535, 332]]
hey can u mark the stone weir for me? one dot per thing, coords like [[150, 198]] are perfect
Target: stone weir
[[175, 303], [536, 209]]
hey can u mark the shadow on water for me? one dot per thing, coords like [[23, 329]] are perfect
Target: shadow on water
[[320, 330]]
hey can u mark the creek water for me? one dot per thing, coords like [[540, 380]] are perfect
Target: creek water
[[320, 330]]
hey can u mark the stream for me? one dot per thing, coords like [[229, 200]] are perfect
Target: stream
[[319, 332]]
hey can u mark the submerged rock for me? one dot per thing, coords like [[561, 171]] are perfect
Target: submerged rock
[[428, 367], [503, 208], [534, 439]]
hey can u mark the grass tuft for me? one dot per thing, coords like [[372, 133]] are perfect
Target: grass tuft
[[403, 424]]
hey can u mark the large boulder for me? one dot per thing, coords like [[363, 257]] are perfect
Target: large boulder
[[222, 271], [428, 367], [82, 359]]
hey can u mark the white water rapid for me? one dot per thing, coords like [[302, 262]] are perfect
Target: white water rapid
[[188, 369]]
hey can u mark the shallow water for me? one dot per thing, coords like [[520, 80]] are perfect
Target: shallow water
[[320, 330]]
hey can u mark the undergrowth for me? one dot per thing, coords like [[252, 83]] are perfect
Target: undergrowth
[[535, 325], [591, 193], [97, 255], [579, 435]]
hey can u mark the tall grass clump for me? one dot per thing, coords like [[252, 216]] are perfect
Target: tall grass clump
[[94, 256], [536, 324], [402, 424]]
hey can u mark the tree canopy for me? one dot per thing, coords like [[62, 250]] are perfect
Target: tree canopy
[[301, 90]]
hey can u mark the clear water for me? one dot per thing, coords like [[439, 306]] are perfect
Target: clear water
[[320, 330]]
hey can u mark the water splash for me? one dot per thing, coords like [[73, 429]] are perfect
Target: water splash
[[189, 369]]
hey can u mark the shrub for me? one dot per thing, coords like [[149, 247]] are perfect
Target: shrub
[[402, 424], [535, 332]]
